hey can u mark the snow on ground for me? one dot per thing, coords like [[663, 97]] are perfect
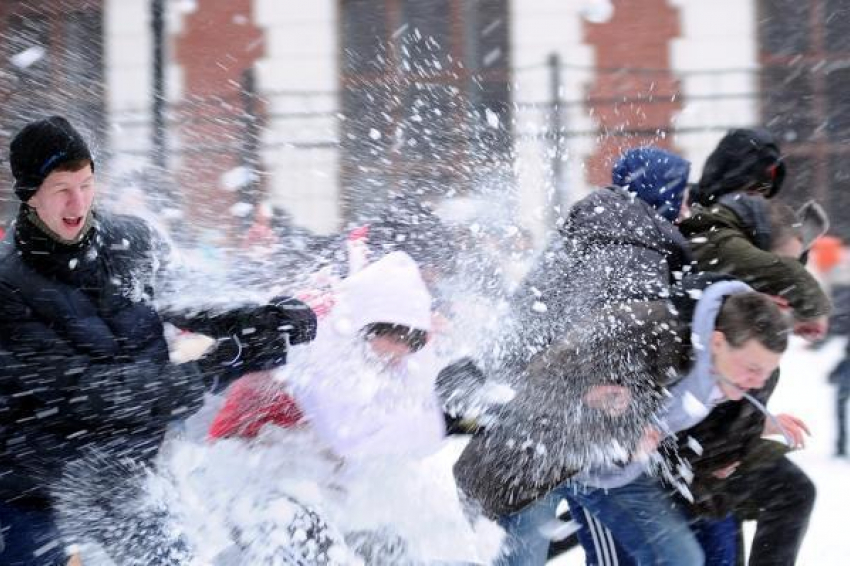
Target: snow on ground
[[805, 392]]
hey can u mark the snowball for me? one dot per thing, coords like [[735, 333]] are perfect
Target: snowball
[[28, 56], [693, 406], [694, 445], [558, 530], [496, 393], [241, 209], [539, 306], [237, 177], [492, 118]]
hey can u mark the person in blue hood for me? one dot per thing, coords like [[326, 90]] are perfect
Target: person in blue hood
[[657, 177]]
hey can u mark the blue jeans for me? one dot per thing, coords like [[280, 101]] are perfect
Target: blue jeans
[[525, 544], [649, 527], [600, 547], [644, 520], [30, 537], [718, 539]]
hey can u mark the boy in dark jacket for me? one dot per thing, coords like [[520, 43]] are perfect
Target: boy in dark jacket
[[85, 365], [760, 242]]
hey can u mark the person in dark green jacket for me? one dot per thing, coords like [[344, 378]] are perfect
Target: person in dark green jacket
[[753, 239], [736, 470]]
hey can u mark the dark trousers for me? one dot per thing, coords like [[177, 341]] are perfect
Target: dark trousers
[[780, 498], [842, 395], [30, 537], [718, 539]]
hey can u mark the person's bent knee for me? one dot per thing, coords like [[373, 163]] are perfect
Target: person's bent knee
[[799, 490], [807, 493]]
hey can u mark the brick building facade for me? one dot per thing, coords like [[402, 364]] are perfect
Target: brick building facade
[[354, 98]]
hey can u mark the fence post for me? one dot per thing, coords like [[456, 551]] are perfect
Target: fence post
[[250, 146], [158, 174], [158, 149], [556, 132]]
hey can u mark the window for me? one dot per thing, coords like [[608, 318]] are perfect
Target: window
[[800, 181], [784, 28], [837, 24], [428, 27], [30, 59], [839, 195], [82, 66], [788, 102], [425, 83], [361, 25], [838, 104]]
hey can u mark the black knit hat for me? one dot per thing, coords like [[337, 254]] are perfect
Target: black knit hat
[[744, 159], [39, 148]]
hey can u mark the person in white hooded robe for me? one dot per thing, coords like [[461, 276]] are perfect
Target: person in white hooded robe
[[366, 455]]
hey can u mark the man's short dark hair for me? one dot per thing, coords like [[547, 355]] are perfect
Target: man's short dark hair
[[753, 316], [74, 166]]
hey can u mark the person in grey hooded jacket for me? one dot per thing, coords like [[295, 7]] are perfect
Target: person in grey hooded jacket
[[736, 339]]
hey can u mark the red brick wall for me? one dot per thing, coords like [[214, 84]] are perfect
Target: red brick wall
[[219, 42], [628, 106]]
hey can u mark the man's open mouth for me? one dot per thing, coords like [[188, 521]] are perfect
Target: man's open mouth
[[72, 221]]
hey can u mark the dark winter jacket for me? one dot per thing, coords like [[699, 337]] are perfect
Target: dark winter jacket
[[744, 160], [613, 248], [839, 289], [85, 365], [734, 237], [593, 310]]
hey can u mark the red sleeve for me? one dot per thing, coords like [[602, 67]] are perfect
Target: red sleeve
[[252, 403]]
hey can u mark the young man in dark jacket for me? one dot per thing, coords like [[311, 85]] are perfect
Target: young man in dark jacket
[[734, 469], [760, 242], [85, 365]]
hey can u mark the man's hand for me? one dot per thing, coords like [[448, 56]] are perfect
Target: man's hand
[[724, 473], [793, 427], [649, 442], [812, 329], [291, 317], [613, 399]]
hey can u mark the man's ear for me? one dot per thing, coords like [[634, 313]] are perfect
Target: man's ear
[[718, 340]]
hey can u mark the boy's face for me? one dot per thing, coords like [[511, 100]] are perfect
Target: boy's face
[[791, 248], [389, 349], [63, 201], [746, 367]]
